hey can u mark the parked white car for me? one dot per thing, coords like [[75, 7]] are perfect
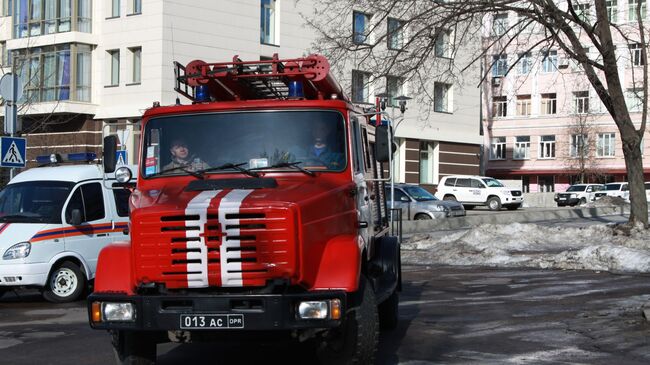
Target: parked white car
[[53, 223], [619, 189], [578, 194], [479, 190]]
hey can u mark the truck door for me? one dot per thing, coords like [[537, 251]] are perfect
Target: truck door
[[359, 168], [120, 196], [88, 238]]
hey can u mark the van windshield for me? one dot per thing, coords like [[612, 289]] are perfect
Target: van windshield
[[33, 201], [216, 142]]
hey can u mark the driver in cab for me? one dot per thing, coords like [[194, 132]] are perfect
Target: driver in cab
[[320, 152], [181, 157]]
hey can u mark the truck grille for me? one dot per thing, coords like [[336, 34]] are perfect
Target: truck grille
[[240, 249], [516, 192]]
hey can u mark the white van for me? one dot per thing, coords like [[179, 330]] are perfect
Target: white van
[[479, 190], [53, 223]]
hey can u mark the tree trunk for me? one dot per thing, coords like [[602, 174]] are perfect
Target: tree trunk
[[635, 176]]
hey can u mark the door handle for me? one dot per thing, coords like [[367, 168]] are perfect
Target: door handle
[[102, 235]]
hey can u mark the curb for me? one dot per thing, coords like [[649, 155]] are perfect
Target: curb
[[521, 216]]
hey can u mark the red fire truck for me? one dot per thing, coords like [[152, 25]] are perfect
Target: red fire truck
[[259, 210]]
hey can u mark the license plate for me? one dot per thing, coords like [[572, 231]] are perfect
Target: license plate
[[562, 198], [210, 321]]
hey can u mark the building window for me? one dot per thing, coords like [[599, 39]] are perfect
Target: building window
[[268, 22], [360, 27], [113, 67], [549, 63], [136, 7], [395, 34], [636, 54], [6, 7], [500, 24], [581, 99], [426, 162], [499, 65], [606, 145], [578, 146], [442, 45], [394, 88], [631, 9], [498, 148], [441, 97], [522, 148], [546, 184], [583, 11], [136, 64], [360, 87], [549, 104], [612, 12], [46, 72], [546, 147], [525, 63], [39, 17], [500, 107], [115, 8], [634, 100], [523, 105]]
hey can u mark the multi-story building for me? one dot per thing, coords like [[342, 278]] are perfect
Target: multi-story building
[[86, 64], [544, 123]]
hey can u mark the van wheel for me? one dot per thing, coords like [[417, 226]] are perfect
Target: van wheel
[[494, 203], [134, 348], [450, 198], [422, 217], [355, 341], [65, 284]]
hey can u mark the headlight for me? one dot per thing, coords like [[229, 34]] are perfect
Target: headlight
[[506, 192], [438, 208], [123, 174], [114, 312], [574, 195], [18, 251], [322, 309]]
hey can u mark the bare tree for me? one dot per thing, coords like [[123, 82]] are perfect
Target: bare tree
[[579, 152], [581, 31]]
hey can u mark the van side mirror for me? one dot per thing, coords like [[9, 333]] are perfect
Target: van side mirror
[[110, 149], [382, 139], [75, 217]]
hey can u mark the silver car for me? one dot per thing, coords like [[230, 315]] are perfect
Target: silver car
[[417, 203]]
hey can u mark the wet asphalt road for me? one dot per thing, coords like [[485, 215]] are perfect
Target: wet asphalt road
[[448, 316]]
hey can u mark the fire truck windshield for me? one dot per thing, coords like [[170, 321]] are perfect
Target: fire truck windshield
[[183, 144]]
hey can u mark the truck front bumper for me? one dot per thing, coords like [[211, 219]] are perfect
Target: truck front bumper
[[259, 312]]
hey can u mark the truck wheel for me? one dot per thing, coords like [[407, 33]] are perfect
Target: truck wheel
[[355, 341], [65, 284], [389, 312], [134, 348], [494, 203]]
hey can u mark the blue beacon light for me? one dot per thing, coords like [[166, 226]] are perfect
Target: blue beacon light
[[295, 89], [201, 93]]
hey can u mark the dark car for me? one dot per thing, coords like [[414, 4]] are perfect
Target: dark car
[[417, 203]]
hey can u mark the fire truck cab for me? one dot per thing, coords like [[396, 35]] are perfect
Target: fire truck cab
[[259, 208]]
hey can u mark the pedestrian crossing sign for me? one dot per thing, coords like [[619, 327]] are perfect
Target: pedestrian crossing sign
[[13, 152], [120, 157]]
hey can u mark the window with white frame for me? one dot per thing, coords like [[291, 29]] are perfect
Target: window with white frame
[[395, 34], [583, 11], [442, 45], [394, 88], [522, 148], [268, 22], [135, 7], [40, 17], [546, 147], [606, 144], [525, 63], [632, 6], [549, 61], [360, 27], [523, 105], [499, 65], [500, 106], [136, 64], [634, 100], [549, 104], [360, 86], [636, 54], [500, 24], [441, 97], [581, 100], [498, 148], [113, 67], [578, 146], [612, 11], [426, 162], [115, 8]]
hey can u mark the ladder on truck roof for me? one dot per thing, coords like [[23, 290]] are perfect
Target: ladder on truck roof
[[258, 80]]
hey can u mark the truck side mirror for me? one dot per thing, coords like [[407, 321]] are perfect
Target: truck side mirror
[[75, 217], [382, 139], [110, 149]]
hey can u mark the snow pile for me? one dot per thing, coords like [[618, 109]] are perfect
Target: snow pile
[[607, 201], [596, 247]]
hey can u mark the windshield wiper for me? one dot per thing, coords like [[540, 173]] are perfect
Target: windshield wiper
[[294, 165], [232, 166], [184, 168]]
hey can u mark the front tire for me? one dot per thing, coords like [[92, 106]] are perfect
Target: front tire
[[65, 284], [134, 348], [494, 203], [355, 341], [450, 198], [422, 217]]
